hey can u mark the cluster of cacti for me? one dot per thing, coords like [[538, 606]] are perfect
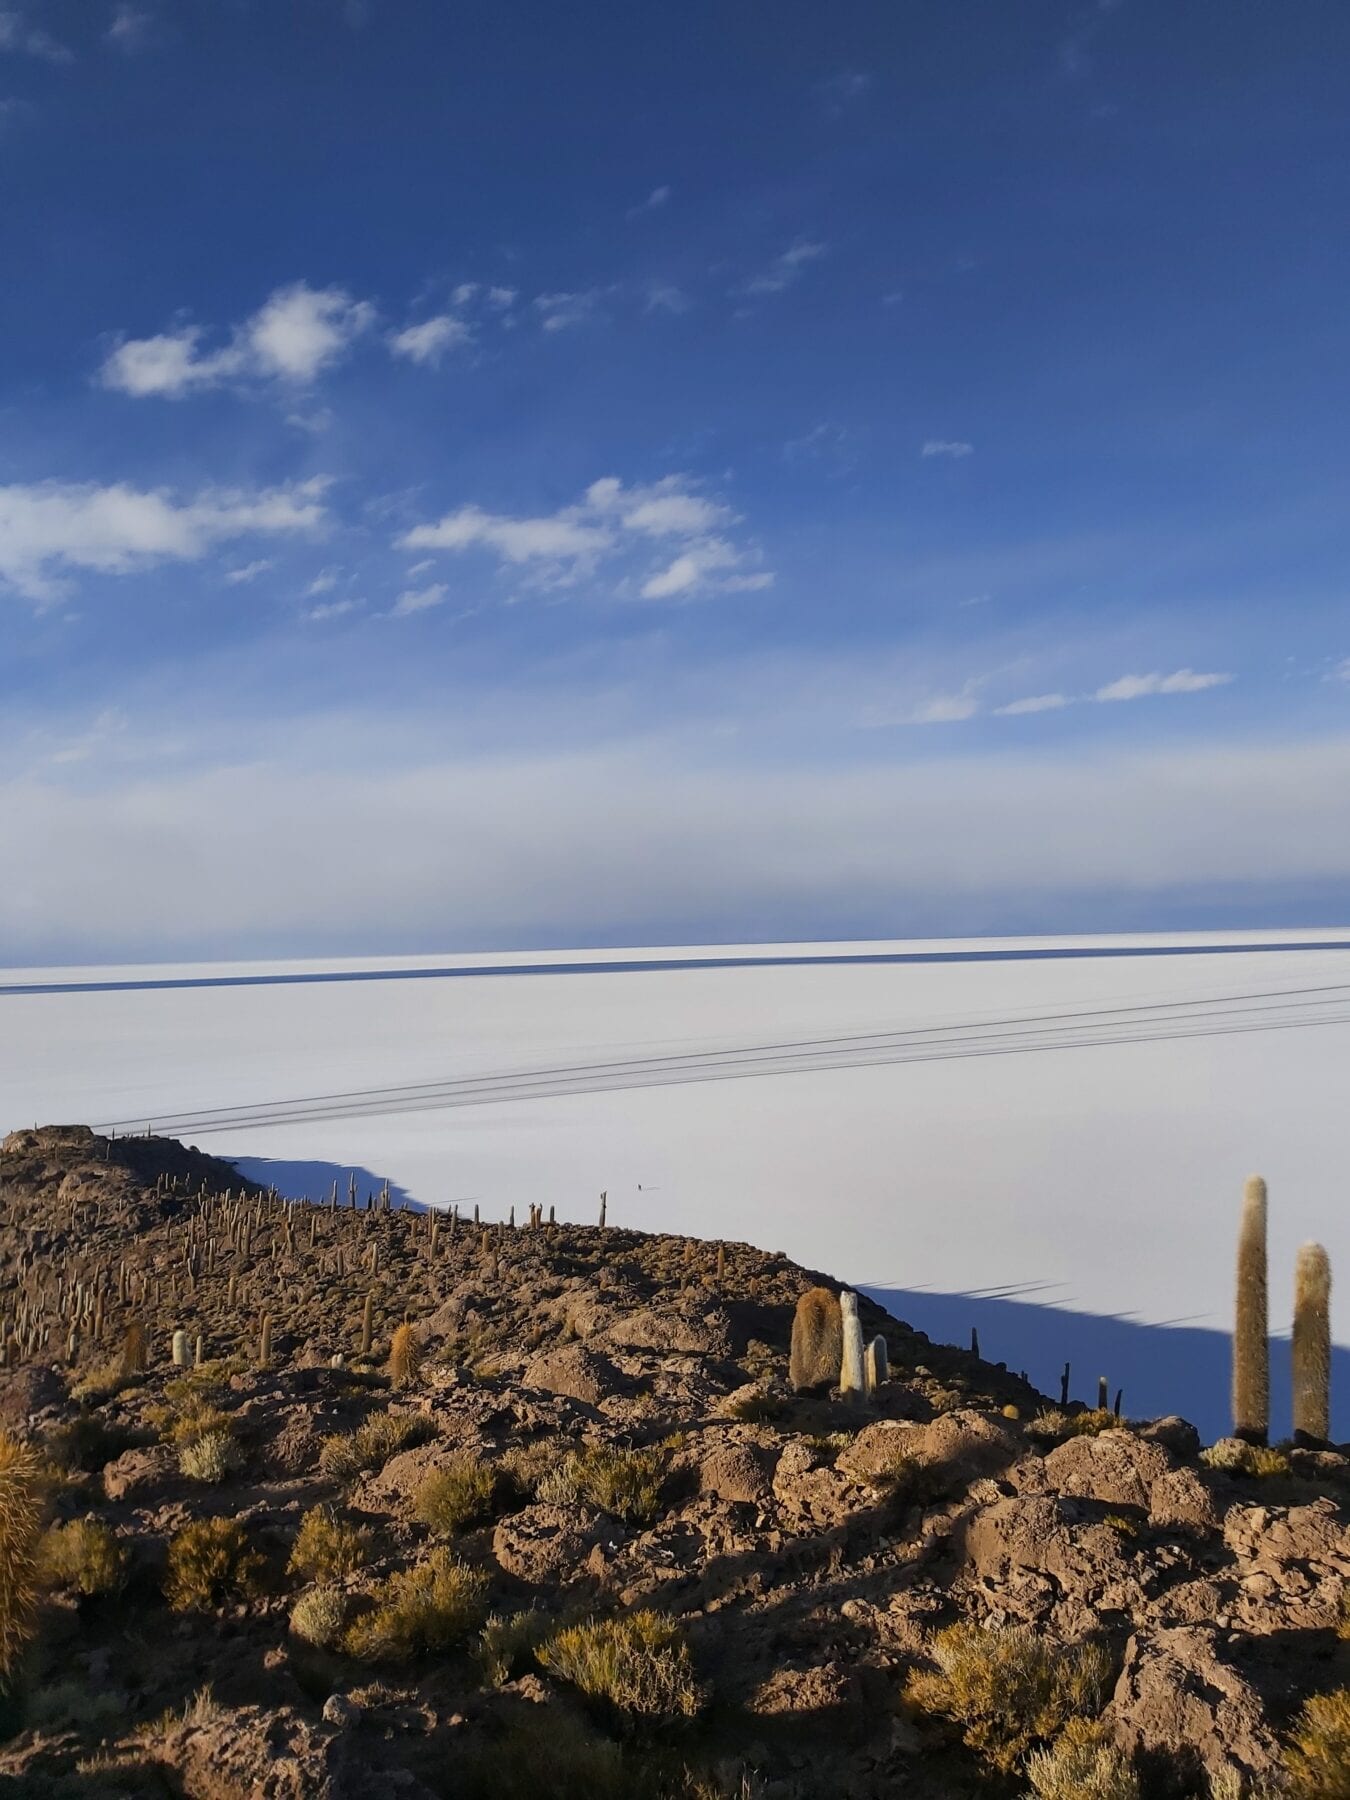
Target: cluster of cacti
[[828, 1348], [1251, 1340]]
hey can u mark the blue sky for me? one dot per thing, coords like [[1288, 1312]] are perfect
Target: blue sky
[[511, 474]]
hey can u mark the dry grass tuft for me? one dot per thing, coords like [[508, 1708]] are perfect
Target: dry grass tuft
[[370, 1446], [319, 1615], [626, 1483], [1317, 1762], [431, 1606], [83, 1557], [1083, 1764], [1009, 1689], [212, 1457], [327, 1547], [638, 1663], [458, 1494], [210, 1562]]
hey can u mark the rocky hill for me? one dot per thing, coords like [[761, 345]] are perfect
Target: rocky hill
[[456, 1509]]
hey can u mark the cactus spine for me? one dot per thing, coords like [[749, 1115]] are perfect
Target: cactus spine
[[851, 1377], [405, 1358], [1251, 1346], [20, 1523], [1312, 1345], [817, 1340]]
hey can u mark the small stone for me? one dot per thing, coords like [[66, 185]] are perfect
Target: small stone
[[338, 1709]]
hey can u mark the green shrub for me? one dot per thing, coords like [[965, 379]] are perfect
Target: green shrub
[[759, 1408], [1083, 1764], [909, 1480], [319, 1615], [212, 1457], [75, 1706], [458, 1494], [1054, 1426], [428, 1607], [327, 1547], [102, 1383], [210, 1562], [525, 1466], [1317, 1761], [506, 1646], [1008, 1688], [83, 1557], [638, 1663], [85, 1444], [1234, 1456], [370, 1446], [626, 1483]]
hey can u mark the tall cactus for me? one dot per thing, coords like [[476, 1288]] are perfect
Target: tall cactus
[[852, 1379], [368, 1325], [1251, 1344], [817, 1340], [876, 1364], [20, 1524], [1312, 1345], [405, 1357]]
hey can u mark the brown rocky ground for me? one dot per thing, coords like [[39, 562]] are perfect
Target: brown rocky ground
[[611, 1412]]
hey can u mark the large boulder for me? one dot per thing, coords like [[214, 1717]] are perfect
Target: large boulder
[[545, 1543], [735, 1472], [574, 1371], [1179, 1702], [1116, 1468]]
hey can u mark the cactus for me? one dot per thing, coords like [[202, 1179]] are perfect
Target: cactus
[[1312, 1346], [721, 1264], [20, 1524], [265, 1341], [368, 1325], [133, 1349], [1251, 1347], [604, 1198], [876, 1365], [180, 1350], [851, 1380], [817, 1340], [199, 1355], [405, 1357]]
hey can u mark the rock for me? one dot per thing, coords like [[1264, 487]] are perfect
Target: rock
[[1036, 1558], [1115, 1467], [1180, 1498], [546, 1543], [735, 1472], [340, 1709], [876, 1449], [1174, 1434], [666, 1332], [27, 1391], [968, 1443], [574, 1371], [1178, 1700], [250, 1754], [136, 1472]]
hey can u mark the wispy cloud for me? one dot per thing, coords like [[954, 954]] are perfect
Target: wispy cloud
[[659, 197], [129, 28], [1140, 687], [330, 609], [53, 528], [931, 709], [840, 92], [953, 447], [297, 333], [416, 600], [562, 311], [1034, 703], [249, 571], [1342, 671], [785, 270], [23, 39], [429, 341], [611, 521]]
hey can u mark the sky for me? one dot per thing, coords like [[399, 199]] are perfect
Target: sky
[[510, 475]]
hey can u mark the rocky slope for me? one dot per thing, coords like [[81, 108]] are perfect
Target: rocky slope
[[583, 1538]]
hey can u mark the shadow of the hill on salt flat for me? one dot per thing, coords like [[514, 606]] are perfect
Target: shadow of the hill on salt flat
[[1162, 1368], [300, 1180]]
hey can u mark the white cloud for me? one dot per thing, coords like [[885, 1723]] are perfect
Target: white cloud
[[249, 571], [513, 847], [664, 296], [1342, 671], [559, 312], [297, 333], [610, 521], [1138, 687], [502, 297], [953, 447], [1034, 703], [416, 600], [428, 342], [786, 269], [128, 28], [658, 198], [17, 35], [49, 529], [935, 709], [330, 609], [323, 583]]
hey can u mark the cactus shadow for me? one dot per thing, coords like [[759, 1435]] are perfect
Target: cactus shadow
[[1183, 1369], [297, 1179]]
